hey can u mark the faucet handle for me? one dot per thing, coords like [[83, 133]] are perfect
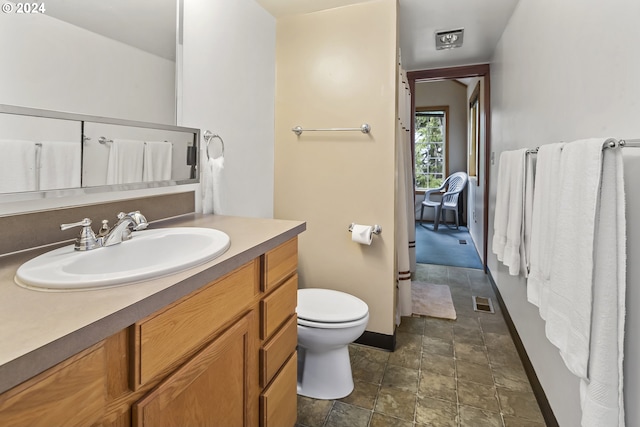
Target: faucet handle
[[84, 223], [87, 239], [139, 220]]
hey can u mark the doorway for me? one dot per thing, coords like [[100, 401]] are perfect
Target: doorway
[[478, 186]]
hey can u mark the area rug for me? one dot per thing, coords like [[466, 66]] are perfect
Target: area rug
[[432, 300], [447, 246]]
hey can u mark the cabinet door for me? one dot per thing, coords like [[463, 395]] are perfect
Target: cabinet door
[[72, 393], [211, 389]]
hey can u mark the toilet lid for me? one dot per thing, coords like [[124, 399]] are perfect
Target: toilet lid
[[329, 306]]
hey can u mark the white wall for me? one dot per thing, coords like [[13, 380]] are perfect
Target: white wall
[[228, 86], [563, 71]]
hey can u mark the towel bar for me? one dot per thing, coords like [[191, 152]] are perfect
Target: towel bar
[[365, 128]]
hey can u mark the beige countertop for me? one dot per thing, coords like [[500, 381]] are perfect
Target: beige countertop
[[40, 329]]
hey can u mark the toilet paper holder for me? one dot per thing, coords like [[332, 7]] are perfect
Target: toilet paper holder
[[376, 228]]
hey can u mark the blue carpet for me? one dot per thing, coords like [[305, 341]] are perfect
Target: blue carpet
[[443, 247]]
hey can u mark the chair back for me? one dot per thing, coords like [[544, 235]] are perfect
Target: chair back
[[457, 182]]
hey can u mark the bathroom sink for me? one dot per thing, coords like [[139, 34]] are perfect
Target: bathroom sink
[[148, 254]]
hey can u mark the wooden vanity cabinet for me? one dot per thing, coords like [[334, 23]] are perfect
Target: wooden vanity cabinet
[[224, 355]]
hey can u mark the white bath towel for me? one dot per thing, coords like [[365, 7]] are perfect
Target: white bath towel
[[17, 166], [543, 221], [601, 395], [212, 184], [157, 161], [60, 165], [508, 223], [572, 281], [125, 162]]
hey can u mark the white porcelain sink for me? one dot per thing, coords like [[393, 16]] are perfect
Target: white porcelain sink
[[149, 254]]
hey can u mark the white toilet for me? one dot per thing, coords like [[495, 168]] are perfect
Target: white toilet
[[328, 321]]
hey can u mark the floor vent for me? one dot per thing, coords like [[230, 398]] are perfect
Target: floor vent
[[482, 304], [462, 242]]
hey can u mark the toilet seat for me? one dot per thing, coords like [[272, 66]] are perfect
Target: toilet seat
[[326, 308]]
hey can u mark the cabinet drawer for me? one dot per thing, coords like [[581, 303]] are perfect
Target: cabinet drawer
[[278, 350], [280, 263], [164, 339], [278, 306], [278, 403]]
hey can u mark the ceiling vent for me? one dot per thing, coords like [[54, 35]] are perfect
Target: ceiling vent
[[449, 39]]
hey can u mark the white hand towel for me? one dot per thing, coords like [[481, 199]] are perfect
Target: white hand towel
[[508, 223], [125, 162], [543, 221], [157, 161], [17, 166], [601, 396], [60, 165], [212, 184]]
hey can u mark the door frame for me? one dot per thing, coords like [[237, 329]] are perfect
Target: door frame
[[479, 70]]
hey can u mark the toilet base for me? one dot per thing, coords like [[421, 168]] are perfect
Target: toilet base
[[324, 374]]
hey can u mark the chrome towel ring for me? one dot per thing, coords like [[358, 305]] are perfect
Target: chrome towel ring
[[208, 136]]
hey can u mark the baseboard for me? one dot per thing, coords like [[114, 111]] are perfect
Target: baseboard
[[538, 391], [375, 339]]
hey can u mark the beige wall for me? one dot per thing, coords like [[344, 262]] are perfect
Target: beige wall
[[337, 68]]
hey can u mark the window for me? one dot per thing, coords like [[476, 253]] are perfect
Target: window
[[431, 140]]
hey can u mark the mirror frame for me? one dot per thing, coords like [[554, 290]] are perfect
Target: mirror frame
[[37, 195]]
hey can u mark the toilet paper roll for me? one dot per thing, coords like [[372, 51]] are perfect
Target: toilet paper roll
[[362, 234]]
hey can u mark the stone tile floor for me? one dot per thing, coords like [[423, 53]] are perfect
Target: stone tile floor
[[444, 373]]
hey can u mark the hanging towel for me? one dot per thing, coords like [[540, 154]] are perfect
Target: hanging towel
[[157, 161], [601, 396], [212, 184], [60, 165], [17, 166], [527, 214], [508, 222], [125, 162], [570, 306], [543, 221]]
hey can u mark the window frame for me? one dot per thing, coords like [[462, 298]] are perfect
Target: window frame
[[445, 110]]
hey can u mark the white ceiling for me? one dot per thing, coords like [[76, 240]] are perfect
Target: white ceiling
[[483, 22], [150, 25]]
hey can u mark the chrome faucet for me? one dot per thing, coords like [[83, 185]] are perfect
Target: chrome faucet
[[120, 232]]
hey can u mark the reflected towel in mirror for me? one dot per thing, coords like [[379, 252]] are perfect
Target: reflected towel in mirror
[[125, 162], [60, 165], [17, 166], [157, 161]]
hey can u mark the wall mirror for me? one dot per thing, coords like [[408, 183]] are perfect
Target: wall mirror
[[114, 58], [51, 154], [90, 59]]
